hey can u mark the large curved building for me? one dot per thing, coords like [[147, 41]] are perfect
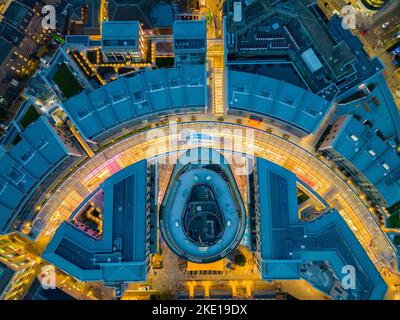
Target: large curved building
[[202, 217], [374, 4], [106, 237], [286, 89]]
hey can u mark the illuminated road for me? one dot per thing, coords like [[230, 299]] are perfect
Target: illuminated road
[[215, 58], [305, 165]]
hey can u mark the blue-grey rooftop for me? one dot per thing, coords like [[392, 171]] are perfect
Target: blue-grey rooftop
[[189, 35], [162, 15], [383, 117], [27, 156], [121, 254], [37, 292], [6, 274], [150, 93], [190, 29], [286, 243], [10, 33], [276, 99], [18, 14], [377, 160], [329, 58]]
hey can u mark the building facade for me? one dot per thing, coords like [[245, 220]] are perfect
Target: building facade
[[190, 41], [109, 237], [31, 151]]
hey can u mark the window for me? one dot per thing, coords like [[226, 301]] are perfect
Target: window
[[26, 156], [194, 81]]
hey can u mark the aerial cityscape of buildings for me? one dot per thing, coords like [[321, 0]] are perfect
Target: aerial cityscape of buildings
[[200, 149]]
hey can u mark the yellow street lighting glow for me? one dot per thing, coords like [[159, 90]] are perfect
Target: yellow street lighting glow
[[269, 147]]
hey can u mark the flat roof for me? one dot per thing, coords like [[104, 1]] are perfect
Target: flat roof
[[161, 91], [190, 29], [162, 15], [122, 252], [286, 242], [17, 13], [10, 33], [33, 154], [36, 292]]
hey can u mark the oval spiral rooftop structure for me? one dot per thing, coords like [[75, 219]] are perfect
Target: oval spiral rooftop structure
[[202, 218]]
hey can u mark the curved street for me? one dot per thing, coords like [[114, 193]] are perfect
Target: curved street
[[306, 166]]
